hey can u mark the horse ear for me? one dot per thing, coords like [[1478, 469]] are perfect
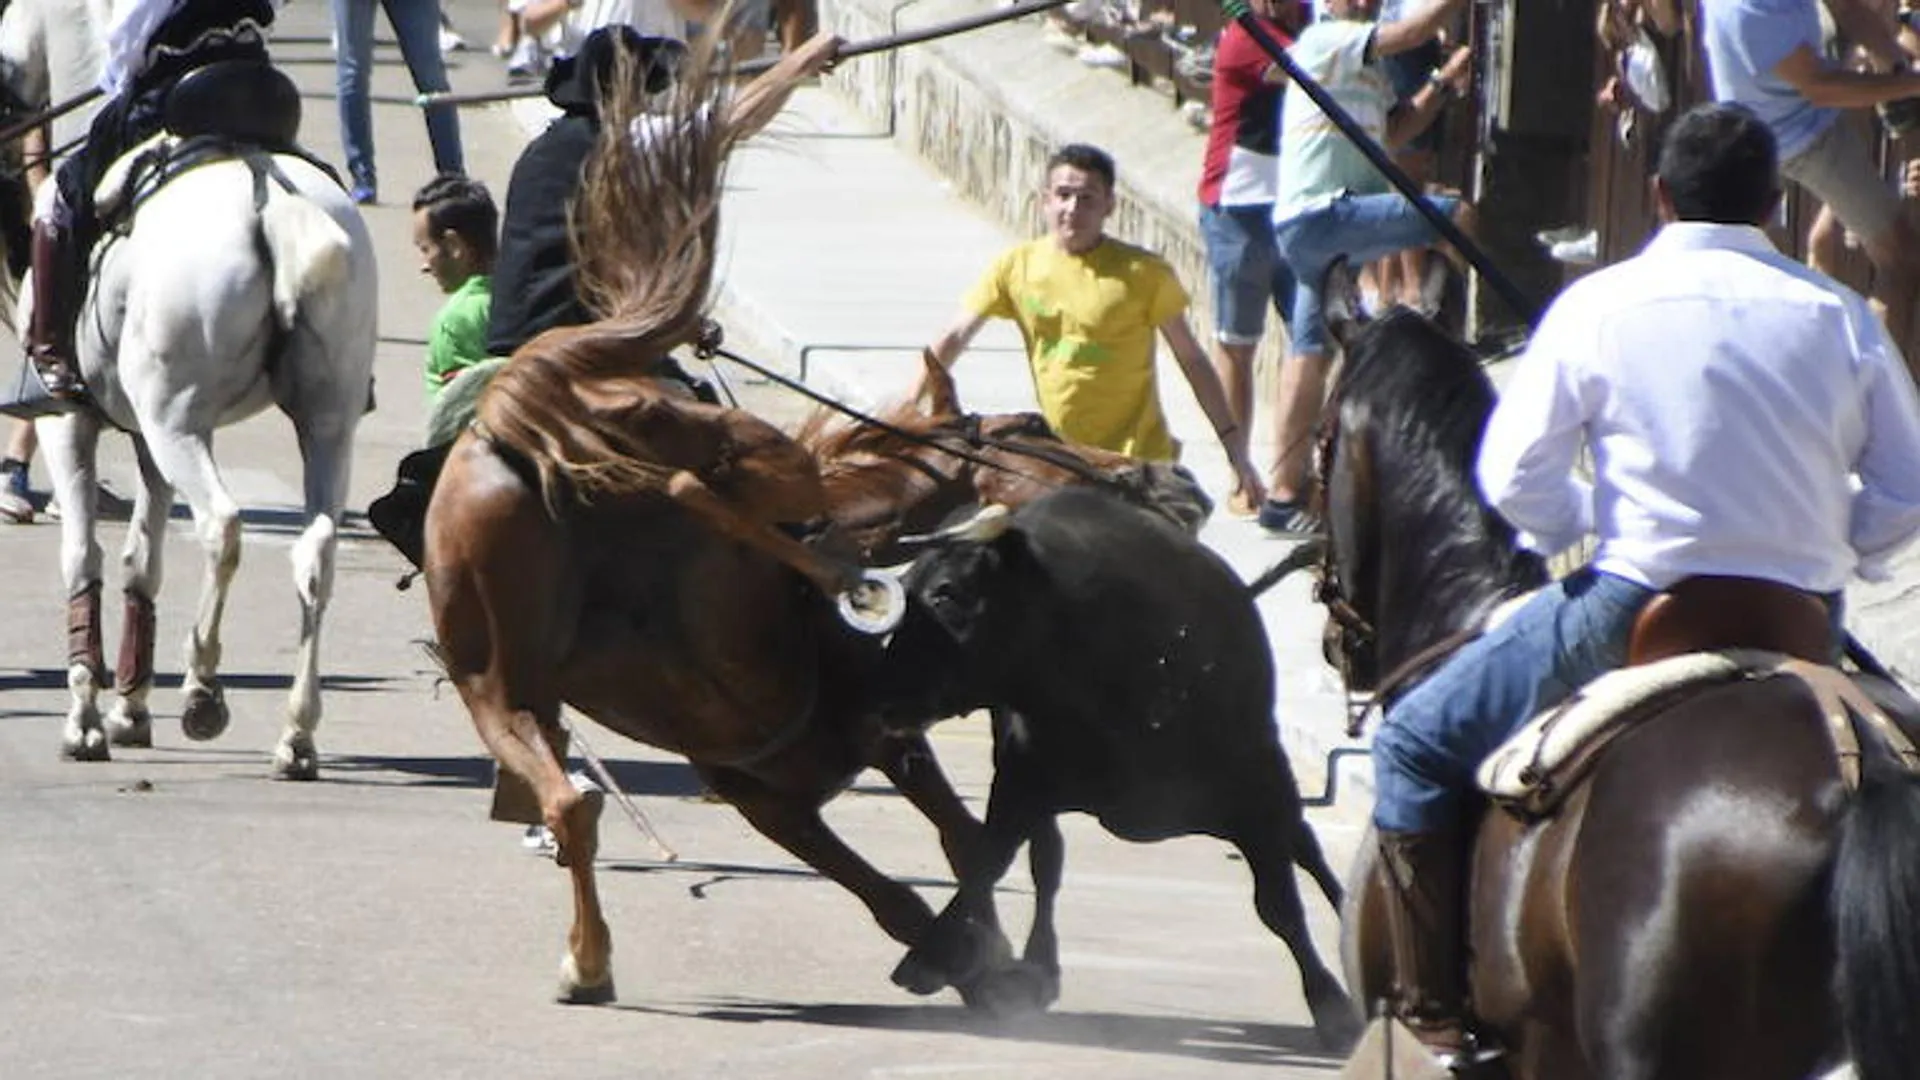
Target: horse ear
[[1340, 303], [937, 398]]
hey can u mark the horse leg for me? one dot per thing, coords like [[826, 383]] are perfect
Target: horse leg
[[186, 459], [795, 824], [1269, 842], [325, 452], [908, 762], [952, 952], [70, 443], [700, 500], [131, 723]]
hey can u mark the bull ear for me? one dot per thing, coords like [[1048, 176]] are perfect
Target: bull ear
[[938, 398], [1340, 302]]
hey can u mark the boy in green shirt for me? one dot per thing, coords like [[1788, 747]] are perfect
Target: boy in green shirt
[[456, 232]]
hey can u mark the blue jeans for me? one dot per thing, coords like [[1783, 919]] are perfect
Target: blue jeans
[[1433, 739], [1358, 228], [1248, 272], [416, 26]]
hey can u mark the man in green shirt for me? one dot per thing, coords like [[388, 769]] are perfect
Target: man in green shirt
[[456, 230]]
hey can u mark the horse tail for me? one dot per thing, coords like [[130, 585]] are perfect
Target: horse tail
[[1876, 892], [644, 230], [309, 251]]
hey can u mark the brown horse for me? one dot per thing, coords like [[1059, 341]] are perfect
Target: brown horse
[[599, 540], [1692, 906]]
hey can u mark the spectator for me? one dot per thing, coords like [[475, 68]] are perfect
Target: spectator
[[1399, 277], [1088, 306], [455, 230], [1237, 183], [16, 498], [1333, 205], [556, 29], [1767, 55], [416, 25]]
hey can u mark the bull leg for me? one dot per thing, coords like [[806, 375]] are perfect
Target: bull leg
[[795, 824], [1040, 962], [70, 443], [908, 762], [131, 723], [1265, 843], [697, 498]]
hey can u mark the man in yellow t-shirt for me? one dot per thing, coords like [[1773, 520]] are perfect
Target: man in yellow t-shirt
[[1088, 307]]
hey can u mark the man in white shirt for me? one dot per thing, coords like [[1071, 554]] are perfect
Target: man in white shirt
[[1748, 416]]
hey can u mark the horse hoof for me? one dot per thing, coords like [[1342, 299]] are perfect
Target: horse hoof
[[205, 716], [576, 991], [1336, 1025], [130, 729], [296, 759], [1011, 992], [89, 744], [916, 975]]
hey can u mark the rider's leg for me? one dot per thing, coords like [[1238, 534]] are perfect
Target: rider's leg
[[1425, 755]]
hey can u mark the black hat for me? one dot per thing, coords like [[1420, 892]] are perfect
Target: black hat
[[573, 83]]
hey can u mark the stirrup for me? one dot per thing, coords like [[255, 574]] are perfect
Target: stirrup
[[30, 398]]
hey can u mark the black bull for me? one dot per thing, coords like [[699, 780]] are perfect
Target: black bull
[[1130, 678]]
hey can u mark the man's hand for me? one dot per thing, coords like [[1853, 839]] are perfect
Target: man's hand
[[1246, 480], [1457, 70]]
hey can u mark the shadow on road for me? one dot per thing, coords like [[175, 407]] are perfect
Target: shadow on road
[[1204, 1040], [56, 679], [714, 873], [661, 778]]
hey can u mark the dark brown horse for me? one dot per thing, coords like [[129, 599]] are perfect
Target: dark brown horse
[[1712, 902], [600, 540]]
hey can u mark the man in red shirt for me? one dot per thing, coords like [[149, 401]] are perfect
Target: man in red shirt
[[1237, 184]]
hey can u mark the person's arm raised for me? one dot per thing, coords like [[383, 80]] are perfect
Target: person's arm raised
[[762, 99]]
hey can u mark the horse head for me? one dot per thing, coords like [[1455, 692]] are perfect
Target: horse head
[[1415, 554]]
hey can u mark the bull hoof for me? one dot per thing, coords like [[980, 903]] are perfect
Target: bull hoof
[[1011, 992], [916, 975], [205, 716], [131, 729], [296, 759], [85, 744], [576, 991], [1336, 1024]]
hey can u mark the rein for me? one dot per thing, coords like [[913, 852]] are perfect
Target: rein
[[706, 349]]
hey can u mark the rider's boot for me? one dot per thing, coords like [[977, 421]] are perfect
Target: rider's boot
[[1426, 928], [51, 383]]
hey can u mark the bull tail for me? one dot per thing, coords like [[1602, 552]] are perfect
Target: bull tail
[[1876, 890], [307, 248]]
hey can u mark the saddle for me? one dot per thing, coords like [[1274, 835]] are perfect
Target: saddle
[[212, 113], [1703, 631]]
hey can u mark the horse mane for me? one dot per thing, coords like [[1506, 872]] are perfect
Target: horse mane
[[643, 229], [1420, 401]]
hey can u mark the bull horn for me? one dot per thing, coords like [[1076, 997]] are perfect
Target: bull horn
[[985, 526]]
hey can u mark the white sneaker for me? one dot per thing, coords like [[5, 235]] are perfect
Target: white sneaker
[[1105, 56], [528, 60], [15, 510], [451, 41]]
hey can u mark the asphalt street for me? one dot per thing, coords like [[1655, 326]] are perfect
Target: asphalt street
[[177, 913]]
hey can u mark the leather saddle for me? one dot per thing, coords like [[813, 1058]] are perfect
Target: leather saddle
[[1711, 613], [240, 101]]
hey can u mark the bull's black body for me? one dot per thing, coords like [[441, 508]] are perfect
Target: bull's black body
[[1130, 678]]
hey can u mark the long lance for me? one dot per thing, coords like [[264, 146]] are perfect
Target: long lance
[[754, 67], [1522, 305], [21, 127]]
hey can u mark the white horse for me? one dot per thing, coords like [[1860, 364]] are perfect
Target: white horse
[[213, 306]]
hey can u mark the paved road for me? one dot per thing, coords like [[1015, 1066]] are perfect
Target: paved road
[[176, 912]]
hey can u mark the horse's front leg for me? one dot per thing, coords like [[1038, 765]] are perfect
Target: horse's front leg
[[794, 822], [908, 762], [326, 447], [70, 443], [186, 459], [131, 723]]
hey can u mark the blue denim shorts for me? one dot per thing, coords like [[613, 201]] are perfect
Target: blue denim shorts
[[1358, 228], [1248, 272]]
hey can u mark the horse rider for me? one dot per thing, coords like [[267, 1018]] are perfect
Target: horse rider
[[151, 45], [1748, 417], [533, 284]]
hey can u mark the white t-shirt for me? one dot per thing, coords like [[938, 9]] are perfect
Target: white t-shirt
[[652, 18], [1317, 162]]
